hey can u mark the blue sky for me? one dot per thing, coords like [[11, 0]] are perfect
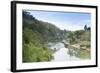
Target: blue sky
[[64, 20]]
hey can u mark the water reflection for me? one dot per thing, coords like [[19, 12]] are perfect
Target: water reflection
[[62, 53]]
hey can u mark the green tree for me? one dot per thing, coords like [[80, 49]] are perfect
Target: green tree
[[85, 27]]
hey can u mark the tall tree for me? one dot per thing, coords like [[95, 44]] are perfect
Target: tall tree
[[85, 27]]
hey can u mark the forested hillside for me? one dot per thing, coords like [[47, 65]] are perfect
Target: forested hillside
[[36, 35]]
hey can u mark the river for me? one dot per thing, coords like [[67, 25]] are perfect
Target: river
[[61, 53]]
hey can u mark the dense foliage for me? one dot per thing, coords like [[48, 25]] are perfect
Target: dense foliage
[[36, 35], [80, 42]]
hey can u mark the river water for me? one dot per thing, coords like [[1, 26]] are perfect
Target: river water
[[62, 53]]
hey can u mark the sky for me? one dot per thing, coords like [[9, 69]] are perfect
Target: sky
[[64, 20]]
